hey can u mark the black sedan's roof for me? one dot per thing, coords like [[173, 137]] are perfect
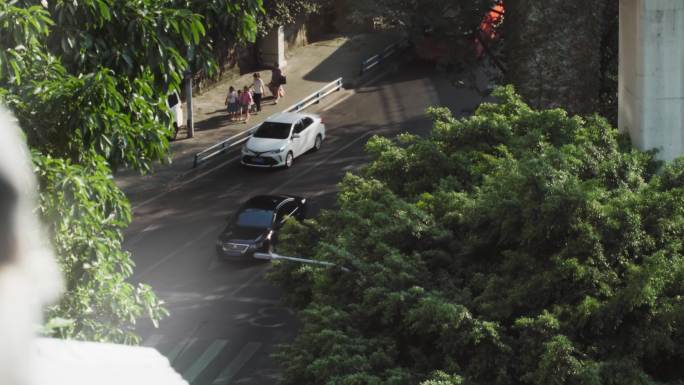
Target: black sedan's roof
[[266, 202]]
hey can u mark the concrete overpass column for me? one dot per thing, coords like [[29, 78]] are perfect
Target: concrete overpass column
[[651, 75], [273, 47]]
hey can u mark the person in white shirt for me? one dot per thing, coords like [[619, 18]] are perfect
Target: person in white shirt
[[174, 103], [258, 87]]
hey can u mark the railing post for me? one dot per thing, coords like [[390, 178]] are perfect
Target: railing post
[[318, 97]]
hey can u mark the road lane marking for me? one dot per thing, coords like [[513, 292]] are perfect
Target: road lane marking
[[171, 297], [352, 92], [151, 227], [152, 340], [214, 263], [317, 164], [142, 234], [181, 184], [255, 300], [338, 101], [237, 363], [270, 317], [246, 283], [179, 348], [173, 254], [249, 300], [204, 360], [373, 80]]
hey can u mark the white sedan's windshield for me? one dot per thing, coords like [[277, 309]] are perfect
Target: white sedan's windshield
[[255, 218], [273, 130]]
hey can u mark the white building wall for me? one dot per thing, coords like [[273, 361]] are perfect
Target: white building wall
[[651, 75]]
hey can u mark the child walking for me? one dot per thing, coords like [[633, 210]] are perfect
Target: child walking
[[232, 103], [246, 101]]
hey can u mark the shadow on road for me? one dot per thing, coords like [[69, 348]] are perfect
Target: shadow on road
[[346, 60]]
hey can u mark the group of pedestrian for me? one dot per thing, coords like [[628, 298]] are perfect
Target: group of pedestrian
[[242, 102], [239, 103]]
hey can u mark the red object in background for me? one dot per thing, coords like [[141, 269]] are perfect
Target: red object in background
[[487, 31], [431, 50]]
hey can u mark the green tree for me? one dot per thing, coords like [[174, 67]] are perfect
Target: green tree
[[284, 12], [229, 24], [132, 38], [86, 214], [89, 87], [516, 246], [88, 82]]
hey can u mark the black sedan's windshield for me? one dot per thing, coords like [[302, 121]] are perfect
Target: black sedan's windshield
[[273, 130], [255, 218]]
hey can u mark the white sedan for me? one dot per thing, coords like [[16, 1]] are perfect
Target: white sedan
[[281, 138]]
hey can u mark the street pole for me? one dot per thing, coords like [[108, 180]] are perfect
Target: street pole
[[188, 95], [273, 256]]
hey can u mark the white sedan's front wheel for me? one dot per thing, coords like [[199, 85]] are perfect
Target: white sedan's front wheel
[[289, 158]]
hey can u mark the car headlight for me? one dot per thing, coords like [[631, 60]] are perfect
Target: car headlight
[[278, 151]]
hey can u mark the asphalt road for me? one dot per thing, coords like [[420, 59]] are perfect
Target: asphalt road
[[226, 318]]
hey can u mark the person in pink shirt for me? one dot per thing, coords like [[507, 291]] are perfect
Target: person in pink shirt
[[245, 102]]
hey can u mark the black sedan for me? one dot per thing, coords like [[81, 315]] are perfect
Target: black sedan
[[254, 226]]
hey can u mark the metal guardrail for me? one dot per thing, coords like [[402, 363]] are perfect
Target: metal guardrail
[[376, 59], [316, 97], [242, 137]]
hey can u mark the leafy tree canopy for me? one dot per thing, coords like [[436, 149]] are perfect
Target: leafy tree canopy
[[515, 246], [445, 19], [86, 214], [88, 81], [284, 12]]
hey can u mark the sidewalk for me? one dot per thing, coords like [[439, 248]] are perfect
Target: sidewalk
[[308, 69]]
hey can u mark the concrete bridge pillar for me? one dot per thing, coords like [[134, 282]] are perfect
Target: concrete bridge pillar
[[273, 47], [651, 75]]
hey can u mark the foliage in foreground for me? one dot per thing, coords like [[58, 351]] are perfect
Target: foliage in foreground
[[516, 246], [86, 215], [88, 81]]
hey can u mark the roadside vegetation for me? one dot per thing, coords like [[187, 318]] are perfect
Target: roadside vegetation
[[515, 246], [88, 81]]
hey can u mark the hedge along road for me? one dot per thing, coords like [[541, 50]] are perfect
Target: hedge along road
[[225, 317]]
